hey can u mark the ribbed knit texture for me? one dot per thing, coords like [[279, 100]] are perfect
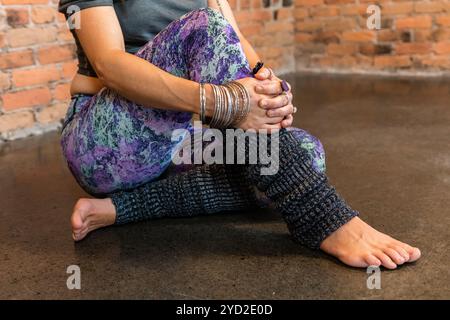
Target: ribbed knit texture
[[310, 206], [205, 189]]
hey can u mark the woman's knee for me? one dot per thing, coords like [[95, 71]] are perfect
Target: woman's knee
[[207, 17], [211, 23], [313, 146]]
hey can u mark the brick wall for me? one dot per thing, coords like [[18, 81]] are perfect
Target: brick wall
[[37, 58], [414, 38], [36, 66]]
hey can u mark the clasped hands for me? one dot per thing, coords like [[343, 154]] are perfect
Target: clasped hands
[[270, 106]]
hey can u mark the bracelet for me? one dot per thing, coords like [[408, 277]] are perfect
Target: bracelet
[[257, 67], [202, 103], [231, 104]]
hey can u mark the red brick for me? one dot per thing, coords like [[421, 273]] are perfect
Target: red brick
[[42, 14], [249, 30], [338, 24], [308, 3], [429, 6], [279, 27], [327, 11], [308, 25], [423, 35], [387, 35], [339, 1], [303, 37], [56, 53], [412, 48], [39, 75], [69, 69], [392, 61], [26, 98], [263, 15], [371, 49], [300, 13], [15, 121], [334, 62], [285, 13], [443, 21], [358, 36], [16, 59], [245, 4], [62, 92], [442, 47], [52, 113], [436, 62], [341, 49], [4, 81], [64, 34], [326, 37], [60, 17], [28, 36], [417, 22], [397, 8], [25, 1], [441, 34], [17, 17], [353, 10]]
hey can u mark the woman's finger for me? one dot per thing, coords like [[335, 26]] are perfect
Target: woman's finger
[[263, 74], [272, 88], [272, 127], [276, 102], [281, 112], [287, 122], [273, 120]]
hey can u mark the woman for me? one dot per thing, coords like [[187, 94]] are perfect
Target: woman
[[140, 65]]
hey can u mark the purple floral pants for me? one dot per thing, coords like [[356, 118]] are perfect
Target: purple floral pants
[[113, 144]]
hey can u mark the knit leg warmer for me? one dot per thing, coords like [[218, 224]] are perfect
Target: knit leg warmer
[[205, 189], [311, 207]]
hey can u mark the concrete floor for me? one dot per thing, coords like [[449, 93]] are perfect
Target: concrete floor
[[388, 146]]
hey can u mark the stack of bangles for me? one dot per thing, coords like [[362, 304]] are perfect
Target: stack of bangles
[[232, 105], [232, 102]]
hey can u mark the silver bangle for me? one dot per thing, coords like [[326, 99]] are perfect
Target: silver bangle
[[231, 104], [202, 103]]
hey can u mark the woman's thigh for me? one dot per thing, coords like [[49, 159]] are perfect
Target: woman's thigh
[[114, 144]]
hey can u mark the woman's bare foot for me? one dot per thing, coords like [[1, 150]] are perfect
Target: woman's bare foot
[[91, 214], [359, 245]]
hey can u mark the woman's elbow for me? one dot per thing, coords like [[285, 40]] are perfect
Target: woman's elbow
[[101, 67]]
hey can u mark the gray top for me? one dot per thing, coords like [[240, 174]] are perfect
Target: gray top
[[140, 20]]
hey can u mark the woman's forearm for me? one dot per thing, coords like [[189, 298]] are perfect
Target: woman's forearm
[[142, 82], [250, 52]]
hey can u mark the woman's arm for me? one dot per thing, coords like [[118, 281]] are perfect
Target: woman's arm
[[226, 10], [269, 88], [134, 78], [144, 83]]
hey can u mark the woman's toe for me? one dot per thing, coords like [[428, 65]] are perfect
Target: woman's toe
[[402, 252], [386, 261], [395, 256], [414, 254], [371, 260], [76, 221]]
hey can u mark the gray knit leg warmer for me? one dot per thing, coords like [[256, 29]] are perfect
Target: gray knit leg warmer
[[311, 207], [205, 189]]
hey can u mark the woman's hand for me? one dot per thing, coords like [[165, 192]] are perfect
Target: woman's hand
[[258, 117], [273, 87]]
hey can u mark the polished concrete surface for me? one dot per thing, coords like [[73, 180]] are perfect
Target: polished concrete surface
[[388, 147]]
